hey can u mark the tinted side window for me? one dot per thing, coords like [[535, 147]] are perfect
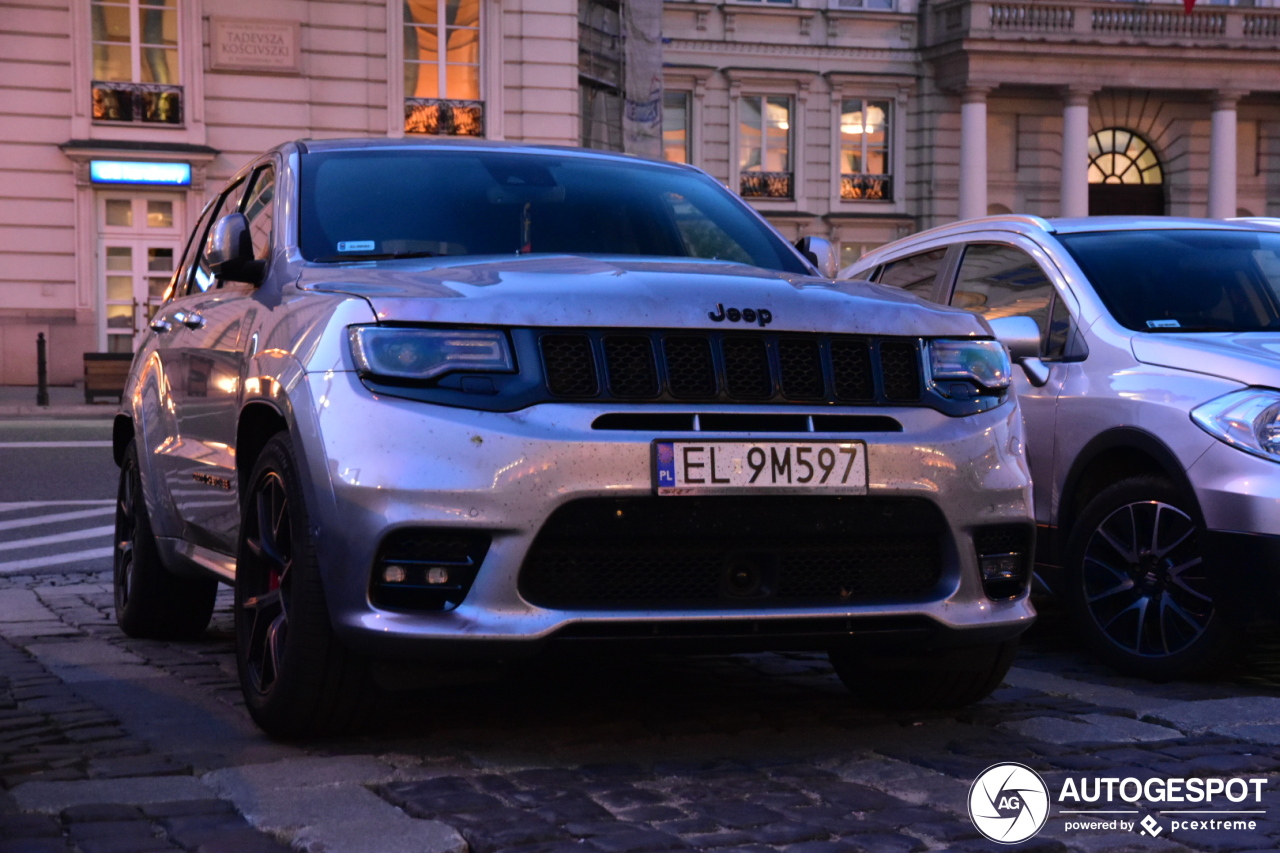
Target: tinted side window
[[916, 273], [1001, 281], [202, 279], [260, 211], [182, 277]]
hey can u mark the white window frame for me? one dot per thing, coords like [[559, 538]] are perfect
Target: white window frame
[[895, 92], [190, 76], [135, 38], [797, 87], [491, 66], [891, 123]]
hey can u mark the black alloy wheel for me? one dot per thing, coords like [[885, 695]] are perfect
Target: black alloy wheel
[[1139, 587], [128, 505], [269, 540], [150, 600], [297, 677], [1144, 579]]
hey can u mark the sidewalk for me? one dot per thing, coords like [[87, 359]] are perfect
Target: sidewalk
[[65, 401]]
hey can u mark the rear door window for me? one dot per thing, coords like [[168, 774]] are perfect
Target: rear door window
[[915, 274]]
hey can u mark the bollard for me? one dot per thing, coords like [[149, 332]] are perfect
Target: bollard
[[42, 371]]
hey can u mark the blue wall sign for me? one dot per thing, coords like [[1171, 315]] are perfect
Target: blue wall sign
[[131, 172]]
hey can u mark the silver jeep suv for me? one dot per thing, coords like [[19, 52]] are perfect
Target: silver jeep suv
[[442, 400], [1150, 387]]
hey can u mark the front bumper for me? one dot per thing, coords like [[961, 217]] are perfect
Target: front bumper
[[392, 463], [1237, 491]]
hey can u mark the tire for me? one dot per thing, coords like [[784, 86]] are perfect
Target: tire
[[151, 601], [297, 678], [1136, 587], [946, 679]]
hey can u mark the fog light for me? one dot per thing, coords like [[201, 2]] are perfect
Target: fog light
[[437, 575], [1001, 567], [394, 574]]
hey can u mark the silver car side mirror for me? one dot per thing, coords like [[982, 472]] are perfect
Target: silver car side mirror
[[229, 250], [821, 254], [1022, 336]]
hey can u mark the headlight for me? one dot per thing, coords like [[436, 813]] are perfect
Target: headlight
[[1248, 419], [415, 353], [961, 369]]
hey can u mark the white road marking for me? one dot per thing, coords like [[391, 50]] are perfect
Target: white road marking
[[16, 445], [57, 516], [54, 560], [17, 505], [87, 533]]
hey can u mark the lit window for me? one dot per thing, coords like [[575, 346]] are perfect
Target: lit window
[[864, 151], [675, 127], [764, 146], [135, 61], [442, 67]]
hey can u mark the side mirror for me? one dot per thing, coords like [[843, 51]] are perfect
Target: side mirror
[[229, 250], [821, 254], [1022, 336]]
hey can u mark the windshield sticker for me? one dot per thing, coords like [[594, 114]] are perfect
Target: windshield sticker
[[1163, 324], [357, 246]]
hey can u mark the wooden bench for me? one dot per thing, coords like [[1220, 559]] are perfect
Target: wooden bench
[[105, 374]]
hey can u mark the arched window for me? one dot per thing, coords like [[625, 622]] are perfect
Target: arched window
[[1119, 156]]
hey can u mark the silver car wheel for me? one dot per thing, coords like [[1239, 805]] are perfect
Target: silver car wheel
[[1144, 579]]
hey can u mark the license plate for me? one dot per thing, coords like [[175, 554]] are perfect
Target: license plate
[[775, 467]]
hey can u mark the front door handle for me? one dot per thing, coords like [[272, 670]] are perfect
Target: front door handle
[[190, 319], [160, 326]]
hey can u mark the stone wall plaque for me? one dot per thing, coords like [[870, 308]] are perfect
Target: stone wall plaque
[[250, 44]]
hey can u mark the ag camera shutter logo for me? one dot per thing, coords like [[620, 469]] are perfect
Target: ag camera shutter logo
[[1009, 803]]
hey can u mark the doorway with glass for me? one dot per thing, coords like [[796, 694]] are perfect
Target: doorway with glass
[[139, 236]]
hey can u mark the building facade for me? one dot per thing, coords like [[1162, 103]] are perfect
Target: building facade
[[857, 120]]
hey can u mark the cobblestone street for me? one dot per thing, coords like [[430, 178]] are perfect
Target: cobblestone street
[[112, 744]]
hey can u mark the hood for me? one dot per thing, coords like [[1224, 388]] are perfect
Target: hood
[[1249, 357], [570, 290]]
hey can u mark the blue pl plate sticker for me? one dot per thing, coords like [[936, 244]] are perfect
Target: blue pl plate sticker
[[666, 464], [1163, 324], [357, 246]]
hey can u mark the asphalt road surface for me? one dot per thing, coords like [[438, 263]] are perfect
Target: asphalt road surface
[[114, 744], [57, 494]]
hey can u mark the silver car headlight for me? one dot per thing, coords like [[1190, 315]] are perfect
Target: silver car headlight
[[406, 352], [963, 369], [1248, 419]]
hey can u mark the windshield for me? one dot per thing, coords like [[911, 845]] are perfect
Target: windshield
[[415, 203], [1184, 281]]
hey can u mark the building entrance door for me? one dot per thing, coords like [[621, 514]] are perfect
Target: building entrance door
[[139, 238]]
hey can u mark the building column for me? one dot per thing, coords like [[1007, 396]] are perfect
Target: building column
[[1075, 153], [973, 152], [1222, 156]]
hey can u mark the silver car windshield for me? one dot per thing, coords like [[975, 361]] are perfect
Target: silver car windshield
[[389, 203], [1169, 281]]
